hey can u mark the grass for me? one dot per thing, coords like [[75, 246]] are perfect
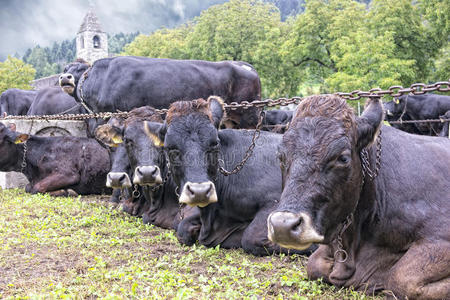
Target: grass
[[87, 248]]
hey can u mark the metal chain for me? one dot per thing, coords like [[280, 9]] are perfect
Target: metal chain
[[80, 86], [398, 90], [24, 159], [365, 162], [394, 91], [340, 246], [136, 194], [249, 151], [420, 121]]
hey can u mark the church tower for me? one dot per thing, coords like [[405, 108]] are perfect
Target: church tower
[[92, 41]]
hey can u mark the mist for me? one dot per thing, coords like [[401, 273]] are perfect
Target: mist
[[27, 23]]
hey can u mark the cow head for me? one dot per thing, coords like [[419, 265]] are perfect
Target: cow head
[[68, 81], [10, 156], [139, 134], [321, 167], [120, 165], [192, 147], [395, 107]]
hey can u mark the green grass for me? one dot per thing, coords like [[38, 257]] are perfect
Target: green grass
[[87, 248]]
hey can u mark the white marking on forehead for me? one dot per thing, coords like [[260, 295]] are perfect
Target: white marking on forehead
[[247, 67]]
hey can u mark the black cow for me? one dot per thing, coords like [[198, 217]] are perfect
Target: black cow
[[388, 232], [126, 82], [277, 120], [390, 117], [146, 158], [118, 177], [234, 209], [16, 102], [420, 107], [54, 164], [52, 101]]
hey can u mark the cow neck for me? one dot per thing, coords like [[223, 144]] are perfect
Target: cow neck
[[84, 76], [349, 232], [404, 109], [26, 162]]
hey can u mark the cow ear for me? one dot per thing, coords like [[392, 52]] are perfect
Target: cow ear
[[109, 135], [156, 132], [216, 107], [369, 124], [21, 138]]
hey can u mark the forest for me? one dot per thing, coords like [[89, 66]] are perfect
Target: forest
[[297, 47]]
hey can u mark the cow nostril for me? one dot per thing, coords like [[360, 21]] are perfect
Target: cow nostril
[[122, 178], [191, 192], [138, 171], [208, 192], [154, 171], [296, 225]]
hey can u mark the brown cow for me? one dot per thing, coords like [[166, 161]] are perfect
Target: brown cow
[[388, 232], [61, 165]]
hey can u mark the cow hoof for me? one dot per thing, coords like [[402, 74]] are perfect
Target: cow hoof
[[71, 193]]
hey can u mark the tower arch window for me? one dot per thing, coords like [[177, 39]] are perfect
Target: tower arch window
[[96, 41]]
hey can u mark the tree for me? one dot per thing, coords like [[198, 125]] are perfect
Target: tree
[[345, 46], [163, 43], [250, 31], [14, 73], [404, 23]]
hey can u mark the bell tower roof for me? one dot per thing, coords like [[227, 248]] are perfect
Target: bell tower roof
[[90, 23]]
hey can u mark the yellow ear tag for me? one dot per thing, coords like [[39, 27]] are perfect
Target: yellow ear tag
[[396, 101], [21, 139], [117, 140]]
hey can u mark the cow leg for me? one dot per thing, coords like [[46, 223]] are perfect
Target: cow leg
[[320, 263], [54, 182], [63, 193], [188, 229], [115, 197], [423, 272]]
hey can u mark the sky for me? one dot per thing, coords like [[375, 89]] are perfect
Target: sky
[[27, 23]]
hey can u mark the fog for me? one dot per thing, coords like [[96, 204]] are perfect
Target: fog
[[27, 23]]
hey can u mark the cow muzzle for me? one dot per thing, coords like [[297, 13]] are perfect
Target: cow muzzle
[[67, 83], [291, 230], [118, 180], [198, 194], [147, 175]]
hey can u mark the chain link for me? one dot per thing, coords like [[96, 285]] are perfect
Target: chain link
[[136, 194], [24, 158], [249, 151]]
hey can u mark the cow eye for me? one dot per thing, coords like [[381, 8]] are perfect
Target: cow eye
[[343, 159]]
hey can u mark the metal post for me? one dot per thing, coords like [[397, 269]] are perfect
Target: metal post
[[359, 109]]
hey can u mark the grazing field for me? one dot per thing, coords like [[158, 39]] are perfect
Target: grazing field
[[87, 248]]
